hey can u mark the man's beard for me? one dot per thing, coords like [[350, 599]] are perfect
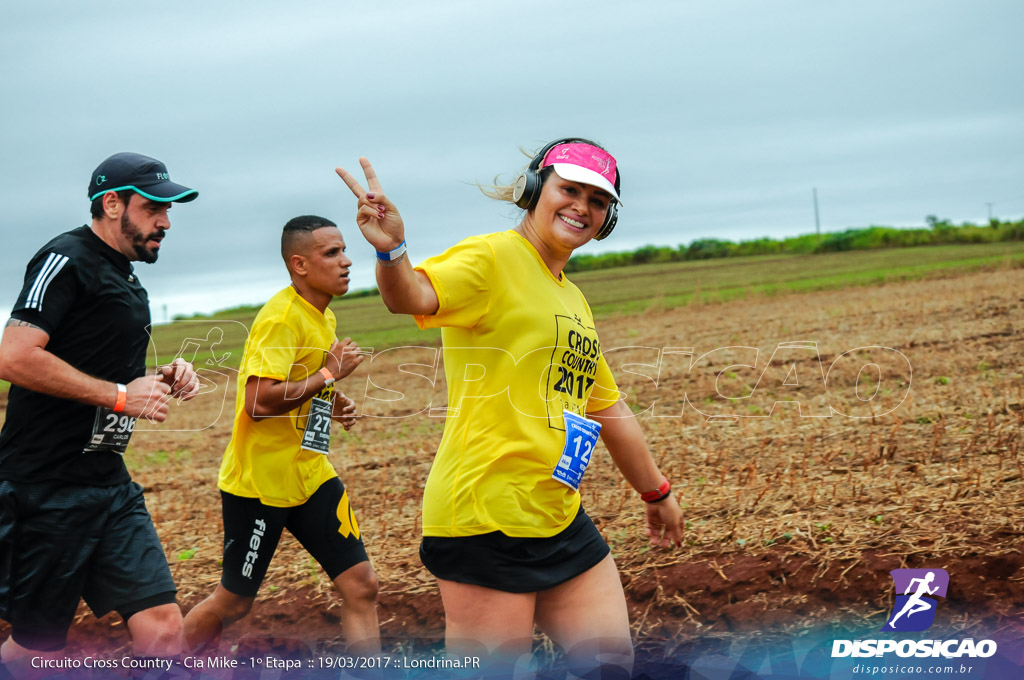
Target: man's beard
[[132, 231]]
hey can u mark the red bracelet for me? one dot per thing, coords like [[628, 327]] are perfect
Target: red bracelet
[[122, 398], [328, 376], [659, 494]]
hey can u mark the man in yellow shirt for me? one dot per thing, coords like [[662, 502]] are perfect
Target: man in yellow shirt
[[275, 473]]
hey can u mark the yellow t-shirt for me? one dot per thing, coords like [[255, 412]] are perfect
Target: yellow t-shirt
[[519, 347], [289, 340]]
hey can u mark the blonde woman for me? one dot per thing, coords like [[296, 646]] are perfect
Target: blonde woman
[[504, 531]]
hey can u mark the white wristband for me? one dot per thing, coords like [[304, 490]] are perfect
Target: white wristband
[[392, 255]]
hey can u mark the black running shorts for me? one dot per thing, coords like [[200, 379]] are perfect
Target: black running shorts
[[325, 526], [61, 542], [516, 565]]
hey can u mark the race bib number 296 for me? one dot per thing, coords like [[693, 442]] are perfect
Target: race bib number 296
[[111, 431]]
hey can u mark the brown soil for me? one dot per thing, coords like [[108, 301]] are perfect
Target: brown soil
[[793, 521]]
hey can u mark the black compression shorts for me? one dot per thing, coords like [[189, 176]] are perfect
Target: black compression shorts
[[324, 525]]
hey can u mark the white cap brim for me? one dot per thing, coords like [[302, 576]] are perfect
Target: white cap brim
[[576, 173]]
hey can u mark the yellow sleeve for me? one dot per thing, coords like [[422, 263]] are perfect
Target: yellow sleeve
[[270, 351], [461, 278], [331, 319], [605, 392]]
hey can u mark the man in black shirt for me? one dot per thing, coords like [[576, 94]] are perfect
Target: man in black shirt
[[72, 523]]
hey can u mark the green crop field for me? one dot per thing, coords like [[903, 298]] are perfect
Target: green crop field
[[626, 290], [634, 289]]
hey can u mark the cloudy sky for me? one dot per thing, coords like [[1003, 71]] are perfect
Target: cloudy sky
[[723, 116]]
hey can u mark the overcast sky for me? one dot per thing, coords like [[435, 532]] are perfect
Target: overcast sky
[[723, 116]]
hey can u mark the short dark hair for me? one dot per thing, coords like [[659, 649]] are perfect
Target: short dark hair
[[300, 226], [96, 207]]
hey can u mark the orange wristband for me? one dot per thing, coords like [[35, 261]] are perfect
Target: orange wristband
[[328, 376], [122, 398]]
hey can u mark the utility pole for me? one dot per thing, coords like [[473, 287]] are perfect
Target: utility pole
[[989, 211], [817, 220]]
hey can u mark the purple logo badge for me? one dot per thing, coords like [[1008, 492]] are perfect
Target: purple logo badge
[[913, 609]]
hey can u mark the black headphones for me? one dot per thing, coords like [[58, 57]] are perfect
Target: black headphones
[[527, 187]]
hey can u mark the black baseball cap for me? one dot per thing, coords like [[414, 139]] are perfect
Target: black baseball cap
[[142, 174]]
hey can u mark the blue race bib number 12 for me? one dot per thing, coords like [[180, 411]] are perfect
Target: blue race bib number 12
[[580, 439]]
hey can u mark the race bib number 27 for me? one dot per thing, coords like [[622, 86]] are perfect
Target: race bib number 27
[[317, 435]]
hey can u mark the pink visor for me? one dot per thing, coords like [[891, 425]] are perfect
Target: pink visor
[[584, 163]]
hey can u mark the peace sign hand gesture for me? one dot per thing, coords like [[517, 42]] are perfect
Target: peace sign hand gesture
[[377, 217]]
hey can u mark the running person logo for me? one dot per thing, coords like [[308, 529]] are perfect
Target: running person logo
[[914, 608]]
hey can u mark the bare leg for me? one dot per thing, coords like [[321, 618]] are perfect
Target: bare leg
[[488, 623], [18, 660], [358, 588], [157, 631], [587, 617], [208, 619]]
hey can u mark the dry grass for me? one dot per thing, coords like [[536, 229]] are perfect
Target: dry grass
[[817, 502]]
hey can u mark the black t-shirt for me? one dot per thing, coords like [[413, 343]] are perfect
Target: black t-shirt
[[86, 296]]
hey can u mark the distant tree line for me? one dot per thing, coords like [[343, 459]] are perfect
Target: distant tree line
[[938, 232]]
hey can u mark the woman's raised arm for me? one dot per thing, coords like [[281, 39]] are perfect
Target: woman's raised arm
[[403, 289]]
